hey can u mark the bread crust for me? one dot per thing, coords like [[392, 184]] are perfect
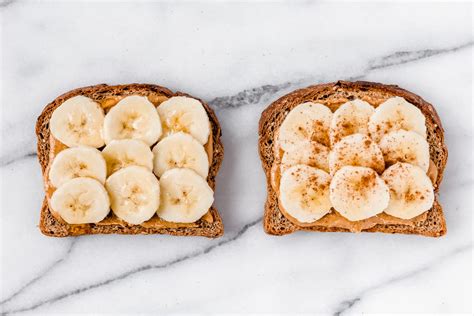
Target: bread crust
[[50, 226], [334, 94]]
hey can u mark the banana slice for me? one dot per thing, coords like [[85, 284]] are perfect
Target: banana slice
[[312, 154], [122, 153], [403, 146], [411, 191], [134, 194], [358, 193], [356, 150], [183, 114], [350, 118], [81, 201], [78, 121], [133, 117], [304, 193], [185, 196], [395, 114], [306, 122], [77, 162], [180, 150]]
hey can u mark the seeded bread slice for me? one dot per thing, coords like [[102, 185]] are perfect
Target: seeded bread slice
[[333, 95], [51, 226]]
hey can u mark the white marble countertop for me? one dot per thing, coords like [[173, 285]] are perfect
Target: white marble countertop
[[239, 57]]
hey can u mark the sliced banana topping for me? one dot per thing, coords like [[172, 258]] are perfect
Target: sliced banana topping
[[404, 146], [77, 162], [304, 193], [364, 140], [312, 154], [78, 121], [358, 193], [133, 117], [81, 201], [122, 153], [306, 122], [356, 150], [185, 196], [395, 114], [180, 150], [411, 191], [134, 194], [350, 118], [183, 114]]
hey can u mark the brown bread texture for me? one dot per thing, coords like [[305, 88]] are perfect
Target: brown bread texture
[[333, 95], [50, 226]]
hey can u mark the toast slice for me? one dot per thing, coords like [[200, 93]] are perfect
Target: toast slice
[[210, 225], [432, 223]]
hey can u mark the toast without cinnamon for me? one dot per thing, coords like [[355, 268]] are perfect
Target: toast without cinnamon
[[210, 225], [332, 95]]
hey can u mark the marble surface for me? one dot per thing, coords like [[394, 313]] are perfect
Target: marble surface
[[239, 57]]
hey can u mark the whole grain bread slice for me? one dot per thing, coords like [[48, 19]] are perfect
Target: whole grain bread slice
[[333, 95], [211, 226]]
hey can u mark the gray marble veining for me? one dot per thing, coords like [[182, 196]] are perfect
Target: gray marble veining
[[265, 92]]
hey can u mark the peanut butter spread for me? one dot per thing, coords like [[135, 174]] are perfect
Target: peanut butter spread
[[333, 219], [155, 222]]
